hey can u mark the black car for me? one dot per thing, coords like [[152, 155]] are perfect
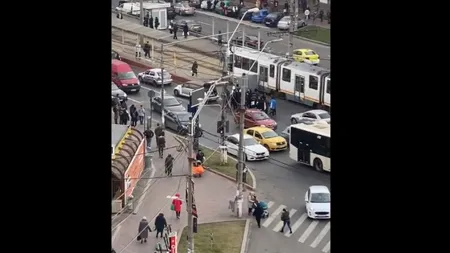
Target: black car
[[272, 19], [171, 13], [248, 15], [178, 121], [171, 104]]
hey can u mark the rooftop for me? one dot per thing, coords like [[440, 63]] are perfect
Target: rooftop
[[126, 148]]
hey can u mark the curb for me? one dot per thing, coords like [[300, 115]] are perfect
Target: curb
[[245, 236], [313, 41]]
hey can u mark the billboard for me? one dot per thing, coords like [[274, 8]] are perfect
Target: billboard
[[135, 169]]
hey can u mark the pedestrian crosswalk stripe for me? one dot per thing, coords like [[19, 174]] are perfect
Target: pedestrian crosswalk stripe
[[308, 231], [297, 224], [270, 204], [280, 224], [321, 235], [326, 248], [273, 215]]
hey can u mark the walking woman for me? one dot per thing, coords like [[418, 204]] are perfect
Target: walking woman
[[258, 213], [176, 205]]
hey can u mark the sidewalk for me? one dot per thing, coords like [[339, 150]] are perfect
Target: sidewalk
[[212, 194]]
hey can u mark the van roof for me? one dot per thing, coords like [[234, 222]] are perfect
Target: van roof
[[118, 62]]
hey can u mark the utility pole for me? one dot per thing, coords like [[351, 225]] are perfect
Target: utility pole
[[239, 195], [190, 198], [141, 12], [162, 87], [291, 28], [296, 15]]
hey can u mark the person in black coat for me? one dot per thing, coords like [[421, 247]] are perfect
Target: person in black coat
[[169, 165], [175, 30], [160, 224], [185, 30], [156, 22], [258, 212], [150, 22]]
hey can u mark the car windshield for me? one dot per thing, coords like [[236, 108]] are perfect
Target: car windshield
[[256, 13], [324, 115], [260, 116], [286, 18], [310, 52], [269, 134], [126, 75], [183, 117], [320, 198], [171, 102], [166, 74], [250, 142], [114, 87]]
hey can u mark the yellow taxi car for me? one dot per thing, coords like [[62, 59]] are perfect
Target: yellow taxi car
[[306, 55], [268, 138]]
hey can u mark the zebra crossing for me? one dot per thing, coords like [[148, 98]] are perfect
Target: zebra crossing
[[315, 233]]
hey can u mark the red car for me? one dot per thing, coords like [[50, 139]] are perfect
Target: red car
[[256, 118]]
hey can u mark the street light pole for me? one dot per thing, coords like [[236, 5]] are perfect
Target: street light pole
[[162, 87]]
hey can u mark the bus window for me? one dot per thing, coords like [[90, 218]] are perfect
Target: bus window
[[313, 82], [286, 75], [237, 61], [328, 86], [272, 70], [299, 84], [263, 73]]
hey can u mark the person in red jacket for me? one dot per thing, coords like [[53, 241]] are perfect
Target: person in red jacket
[[177, 205]]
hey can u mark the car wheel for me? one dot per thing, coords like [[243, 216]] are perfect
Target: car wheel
[[318, 165], [294, 121], [176, 93]]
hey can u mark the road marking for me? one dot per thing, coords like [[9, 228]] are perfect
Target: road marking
[[270, 204], [321, 235], [273, 215], [308, 231], [139, 102], [280, 223], [203, 23], [326, 248], [297, 224]]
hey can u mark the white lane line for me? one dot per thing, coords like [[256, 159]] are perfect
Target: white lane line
[[138, 102], [308, 231], [280, 223], [321, 235], [203, 23], [326, 248], [270, 204], [273, 215], [297, 224]]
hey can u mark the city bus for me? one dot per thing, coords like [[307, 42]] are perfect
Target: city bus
[[309, 143]]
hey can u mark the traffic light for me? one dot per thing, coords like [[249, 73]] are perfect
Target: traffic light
[[194, 228], [230, 67]]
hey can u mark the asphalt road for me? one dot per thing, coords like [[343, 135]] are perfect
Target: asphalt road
[[279, 48], [279, 179]]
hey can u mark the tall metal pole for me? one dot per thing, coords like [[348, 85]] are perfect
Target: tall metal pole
[[190, 199], [291, 28], [141, 12], [240, 198], [259, 39], [296, 15], [162, 86]]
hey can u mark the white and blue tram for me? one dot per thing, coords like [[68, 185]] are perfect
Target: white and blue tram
[[299, 82]]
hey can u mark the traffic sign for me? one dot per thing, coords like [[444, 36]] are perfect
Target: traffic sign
[[151, 93]]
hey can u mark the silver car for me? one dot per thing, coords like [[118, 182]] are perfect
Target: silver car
[[154, 77], [186, 89], [116, 92], [312, 115], [183, 8], [192, 25], [285, 22]]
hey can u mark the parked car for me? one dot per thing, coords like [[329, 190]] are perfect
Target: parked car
[[178, 121], [171, 104], [256, 118], [171, 14], [311, 115], [193, 26], [154, 77], [306, 55], [285, 22], [318, 202], [250, 41], [185, 89], [183, 9], [115, 55], [272, 19], [116, 92], [258, 17], [268, 138], [253, 151], [195, 3], [248, 15]]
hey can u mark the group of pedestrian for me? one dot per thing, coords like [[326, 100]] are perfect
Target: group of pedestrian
[[160, 140], [122, 115], [144, 227], [148, 22], [173, 29], [255, 208]]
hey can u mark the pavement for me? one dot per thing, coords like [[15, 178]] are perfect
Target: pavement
[[212, 22]]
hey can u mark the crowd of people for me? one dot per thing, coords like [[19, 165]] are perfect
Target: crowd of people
[[253, 99]]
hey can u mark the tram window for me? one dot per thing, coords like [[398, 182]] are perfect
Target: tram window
[[263, 73], [329, 86], [272, 71], [313, 82], [255, 67], [237, 61], [300, 84], [286, 75], [245, 63]]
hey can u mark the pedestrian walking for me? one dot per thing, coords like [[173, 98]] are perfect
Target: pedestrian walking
[[171, 26], [147, 50], [169, 165], [258, 212], [175, 30], [250, 202], [185, 31], [148, 137], [116, 114], [273, 106], [321, 14], [286, 220], [219, 38], [160, 224], [141, 115], [150, 22], [134, 118], [124, 117], [156, 22], [176, 205], [146, 20], [158, 130], [194, 68], [143, 230], [161, 144]]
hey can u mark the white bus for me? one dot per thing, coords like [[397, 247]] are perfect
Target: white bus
[[309, 143]]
